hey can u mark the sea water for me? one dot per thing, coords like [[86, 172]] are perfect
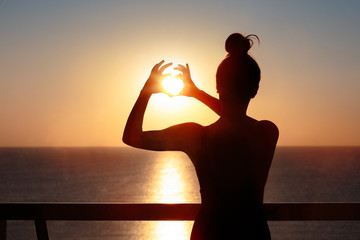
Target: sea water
[[126, 175]]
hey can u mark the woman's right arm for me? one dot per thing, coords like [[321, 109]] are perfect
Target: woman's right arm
[[191, 90], [133, 132], [181, 137]]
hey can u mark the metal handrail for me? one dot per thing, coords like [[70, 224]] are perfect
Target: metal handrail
[[41, 212]]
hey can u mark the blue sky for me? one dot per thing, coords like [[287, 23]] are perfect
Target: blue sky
[[71, 70]]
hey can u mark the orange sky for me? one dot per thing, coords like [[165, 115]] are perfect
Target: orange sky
[[71, 71]]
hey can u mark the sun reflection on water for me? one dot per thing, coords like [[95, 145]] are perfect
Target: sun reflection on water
[[174, 230], [170, 187]]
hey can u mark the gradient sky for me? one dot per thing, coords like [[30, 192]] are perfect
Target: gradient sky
[[71, 70]]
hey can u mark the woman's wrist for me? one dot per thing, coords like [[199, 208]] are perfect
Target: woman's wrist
[[198, 93], [146, 91]]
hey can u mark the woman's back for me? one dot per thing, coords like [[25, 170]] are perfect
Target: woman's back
[[232, 163]]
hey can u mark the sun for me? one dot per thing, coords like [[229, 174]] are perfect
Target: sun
[[170, 101], [173, 85]]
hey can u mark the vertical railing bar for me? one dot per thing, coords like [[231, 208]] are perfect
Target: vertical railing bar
[[41, 229], [2, 229]]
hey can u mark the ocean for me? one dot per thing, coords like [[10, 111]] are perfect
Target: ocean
[[127, 175]]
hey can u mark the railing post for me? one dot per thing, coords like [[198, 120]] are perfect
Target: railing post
[[41, 229], [2, 229]]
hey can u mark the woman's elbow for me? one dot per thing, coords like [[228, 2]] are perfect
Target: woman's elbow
[[132, 141], [127, 140]]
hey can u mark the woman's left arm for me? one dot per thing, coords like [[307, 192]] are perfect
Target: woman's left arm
[[191, 90]]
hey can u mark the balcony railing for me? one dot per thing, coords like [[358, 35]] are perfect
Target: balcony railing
[[42, 212]]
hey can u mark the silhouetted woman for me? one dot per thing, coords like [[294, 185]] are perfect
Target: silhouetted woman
[[232, 156]]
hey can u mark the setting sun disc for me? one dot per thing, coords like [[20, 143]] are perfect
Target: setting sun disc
[[173, 85]]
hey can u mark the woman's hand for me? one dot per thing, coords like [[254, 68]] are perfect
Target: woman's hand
[[190, 89], [154, 82]]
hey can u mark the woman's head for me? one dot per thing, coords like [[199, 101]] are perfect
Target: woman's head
[[238, 75]]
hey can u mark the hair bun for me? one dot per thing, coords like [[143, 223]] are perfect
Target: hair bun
[[236, 44]]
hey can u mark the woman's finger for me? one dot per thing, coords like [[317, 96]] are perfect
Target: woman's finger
[[180, 76], [164, 67], [182, 66], [159, 64], [179, 69], [156, 67], [166, 75]]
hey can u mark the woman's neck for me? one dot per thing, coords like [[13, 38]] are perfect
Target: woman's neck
[[234, 110]]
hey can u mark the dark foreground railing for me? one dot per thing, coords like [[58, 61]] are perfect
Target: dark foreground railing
[[41, 212]]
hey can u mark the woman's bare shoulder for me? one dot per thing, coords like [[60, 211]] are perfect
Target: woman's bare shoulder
[[188, 127], [189, 131], [269, 129], [191, 134]]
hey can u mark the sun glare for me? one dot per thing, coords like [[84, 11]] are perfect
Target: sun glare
[[173, 85], [172, 101]]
